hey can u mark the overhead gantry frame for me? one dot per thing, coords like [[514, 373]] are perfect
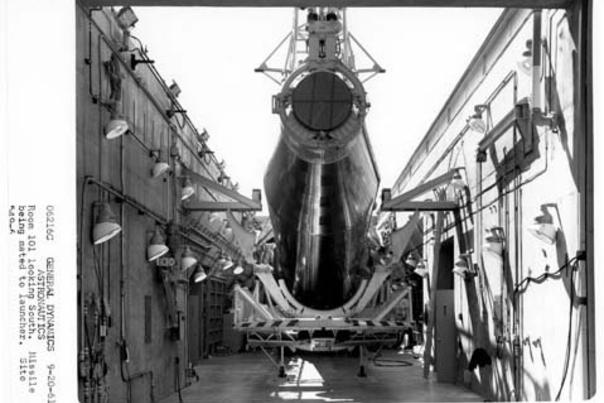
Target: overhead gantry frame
[[336, 3]]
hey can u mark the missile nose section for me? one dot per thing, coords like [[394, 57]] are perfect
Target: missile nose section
[[322, 102]]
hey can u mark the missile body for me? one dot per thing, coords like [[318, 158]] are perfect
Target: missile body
[[321, 184]]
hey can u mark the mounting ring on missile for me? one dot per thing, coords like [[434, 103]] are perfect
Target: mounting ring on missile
[[322, 106], [322, 101]]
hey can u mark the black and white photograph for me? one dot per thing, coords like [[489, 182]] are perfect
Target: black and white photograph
[[283, 201]]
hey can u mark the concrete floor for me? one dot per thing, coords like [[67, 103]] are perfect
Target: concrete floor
[[250, 377]]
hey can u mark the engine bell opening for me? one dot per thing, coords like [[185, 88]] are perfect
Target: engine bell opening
[[322, 101]]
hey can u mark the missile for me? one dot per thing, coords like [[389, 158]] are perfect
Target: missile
[[322, 180]]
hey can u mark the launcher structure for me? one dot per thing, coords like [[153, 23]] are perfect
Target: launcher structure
[[320, 293]]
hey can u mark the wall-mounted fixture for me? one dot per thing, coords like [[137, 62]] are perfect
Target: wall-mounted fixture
[[200, 275], [421, 269], [157, 246], [188, 259], [172, 111], [203, 150], [106, 226], [464, 268], [238, 270], [116, 127], [126, 18], [160, 167], [223, 178], [187, 188], [493, 242], [204, 135], [411, 260], [174, 89], [224, 263], [525, 62], [457, 181], [544, 229], [135, 62], [476, 122]]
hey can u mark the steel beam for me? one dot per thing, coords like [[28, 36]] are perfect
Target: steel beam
[[421, 206], [387, 205], [220, 206], [252, 204], [336, 3]]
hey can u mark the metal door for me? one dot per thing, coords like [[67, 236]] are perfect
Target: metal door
[[445, 332]]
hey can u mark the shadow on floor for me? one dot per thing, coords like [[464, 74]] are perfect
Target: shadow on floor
[[250, 377]]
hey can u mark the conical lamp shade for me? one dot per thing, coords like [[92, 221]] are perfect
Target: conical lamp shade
[[157, 247], [224, 264], [493, 245], [188, 259], [460, 271], [199, 276], [421, 271], [187, 190], [106, 226], [544, 231], [115, 128], [457, 182], [477, 124], [159, 169]]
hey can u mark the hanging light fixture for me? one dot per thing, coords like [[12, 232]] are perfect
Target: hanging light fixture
[[238, 270], [525, 63], [411, 260], [420, 269], [493, 242], [126, 17], [187, 259], [174, 89], [462, 267], [116, 127], [199, 275], [224, 263], [157, 247], [187, 189], [106, 226], [457, 181], [160, 167], [543, 228], [475, 121]]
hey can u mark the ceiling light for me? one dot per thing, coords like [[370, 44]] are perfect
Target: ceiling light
[[187, 189], [106, 226], [188, 259], [126, 17], [157, 247], [116, 127], [199, 275]]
